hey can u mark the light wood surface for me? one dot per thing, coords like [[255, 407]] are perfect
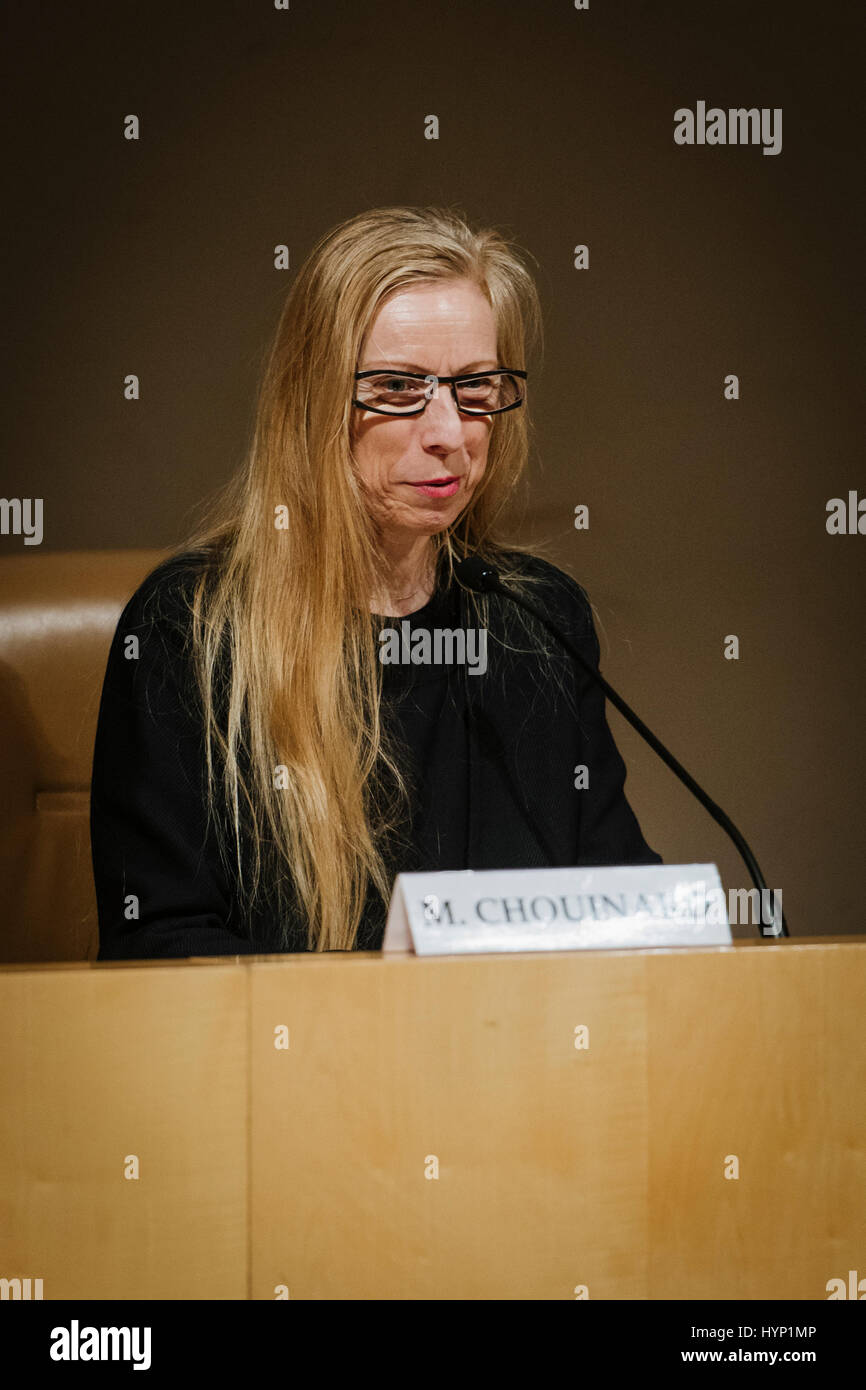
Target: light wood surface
[[310, 1168], [100, 1064]]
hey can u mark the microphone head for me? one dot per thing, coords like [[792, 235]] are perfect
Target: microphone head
[[477, 574]]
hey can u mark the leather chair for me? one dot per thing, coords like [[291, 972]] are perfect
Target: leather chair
[[58, 613]]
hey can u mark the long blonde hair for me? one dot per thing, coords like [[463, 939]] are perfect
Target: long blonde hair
[[282, 635]]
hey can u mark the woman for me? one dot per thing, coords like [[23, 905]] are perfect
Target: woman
[[272, 746]]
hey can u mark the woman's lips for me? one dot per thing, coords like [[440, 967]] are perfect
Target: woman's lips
[[437, 487]]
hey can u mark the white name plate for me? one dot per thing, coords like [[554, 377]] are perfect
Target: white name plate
[[467, 912]]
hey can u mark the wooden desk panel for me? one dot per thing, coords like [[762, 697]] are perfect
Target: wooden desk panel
[[759, 1055], [101, 1063], [557, 1166], [541, 1148]]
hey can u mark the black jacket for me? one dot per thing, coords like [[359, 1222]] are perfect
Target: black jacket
[[490, 758]]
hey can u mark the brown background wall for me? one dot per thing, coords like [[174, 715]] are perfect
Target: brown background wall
[[707, 516]]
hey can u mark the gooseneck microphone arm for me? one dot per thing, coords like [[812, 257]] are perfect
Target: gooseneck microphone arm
[[476, 574]]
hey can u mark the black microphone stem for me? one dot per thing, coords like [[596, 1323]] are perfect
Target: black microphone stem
[[493, 585]]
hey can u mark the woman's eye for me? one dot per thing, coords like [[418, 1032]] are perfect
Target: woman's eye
[[482, 390]]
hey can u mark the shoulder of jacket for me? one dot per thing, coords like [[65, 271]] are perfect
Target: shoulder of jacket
[[164, 596], [562, 598], [550, 582]]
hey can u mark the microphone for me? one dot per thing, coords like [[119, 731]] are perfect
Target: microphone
[[476, 574]]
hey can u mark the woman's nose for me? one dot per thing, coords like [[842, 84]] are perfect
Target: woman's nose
[[441, 419]]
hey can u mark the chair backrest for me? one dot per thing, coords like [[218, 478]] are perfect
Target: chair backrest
[[58, 613]]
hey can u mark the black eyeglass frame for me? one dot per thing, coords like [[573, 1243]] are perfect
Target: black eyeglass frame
[[450, 381]]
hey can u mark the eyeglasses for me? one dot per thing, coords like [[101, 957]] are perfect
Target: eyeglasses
[[407, 393]]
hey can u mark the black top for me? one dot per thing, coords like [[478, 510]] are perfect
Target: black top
[[490, 758]]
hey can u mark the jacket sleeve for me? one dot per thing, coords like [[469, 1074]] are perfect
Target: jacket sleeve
[[161, 888]]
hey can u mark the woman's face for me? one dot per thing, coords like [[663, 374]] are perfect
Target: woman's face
[[419, 472]]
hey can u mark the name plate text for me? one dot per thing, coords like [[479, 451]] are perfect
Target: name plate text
[[470, 911]]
